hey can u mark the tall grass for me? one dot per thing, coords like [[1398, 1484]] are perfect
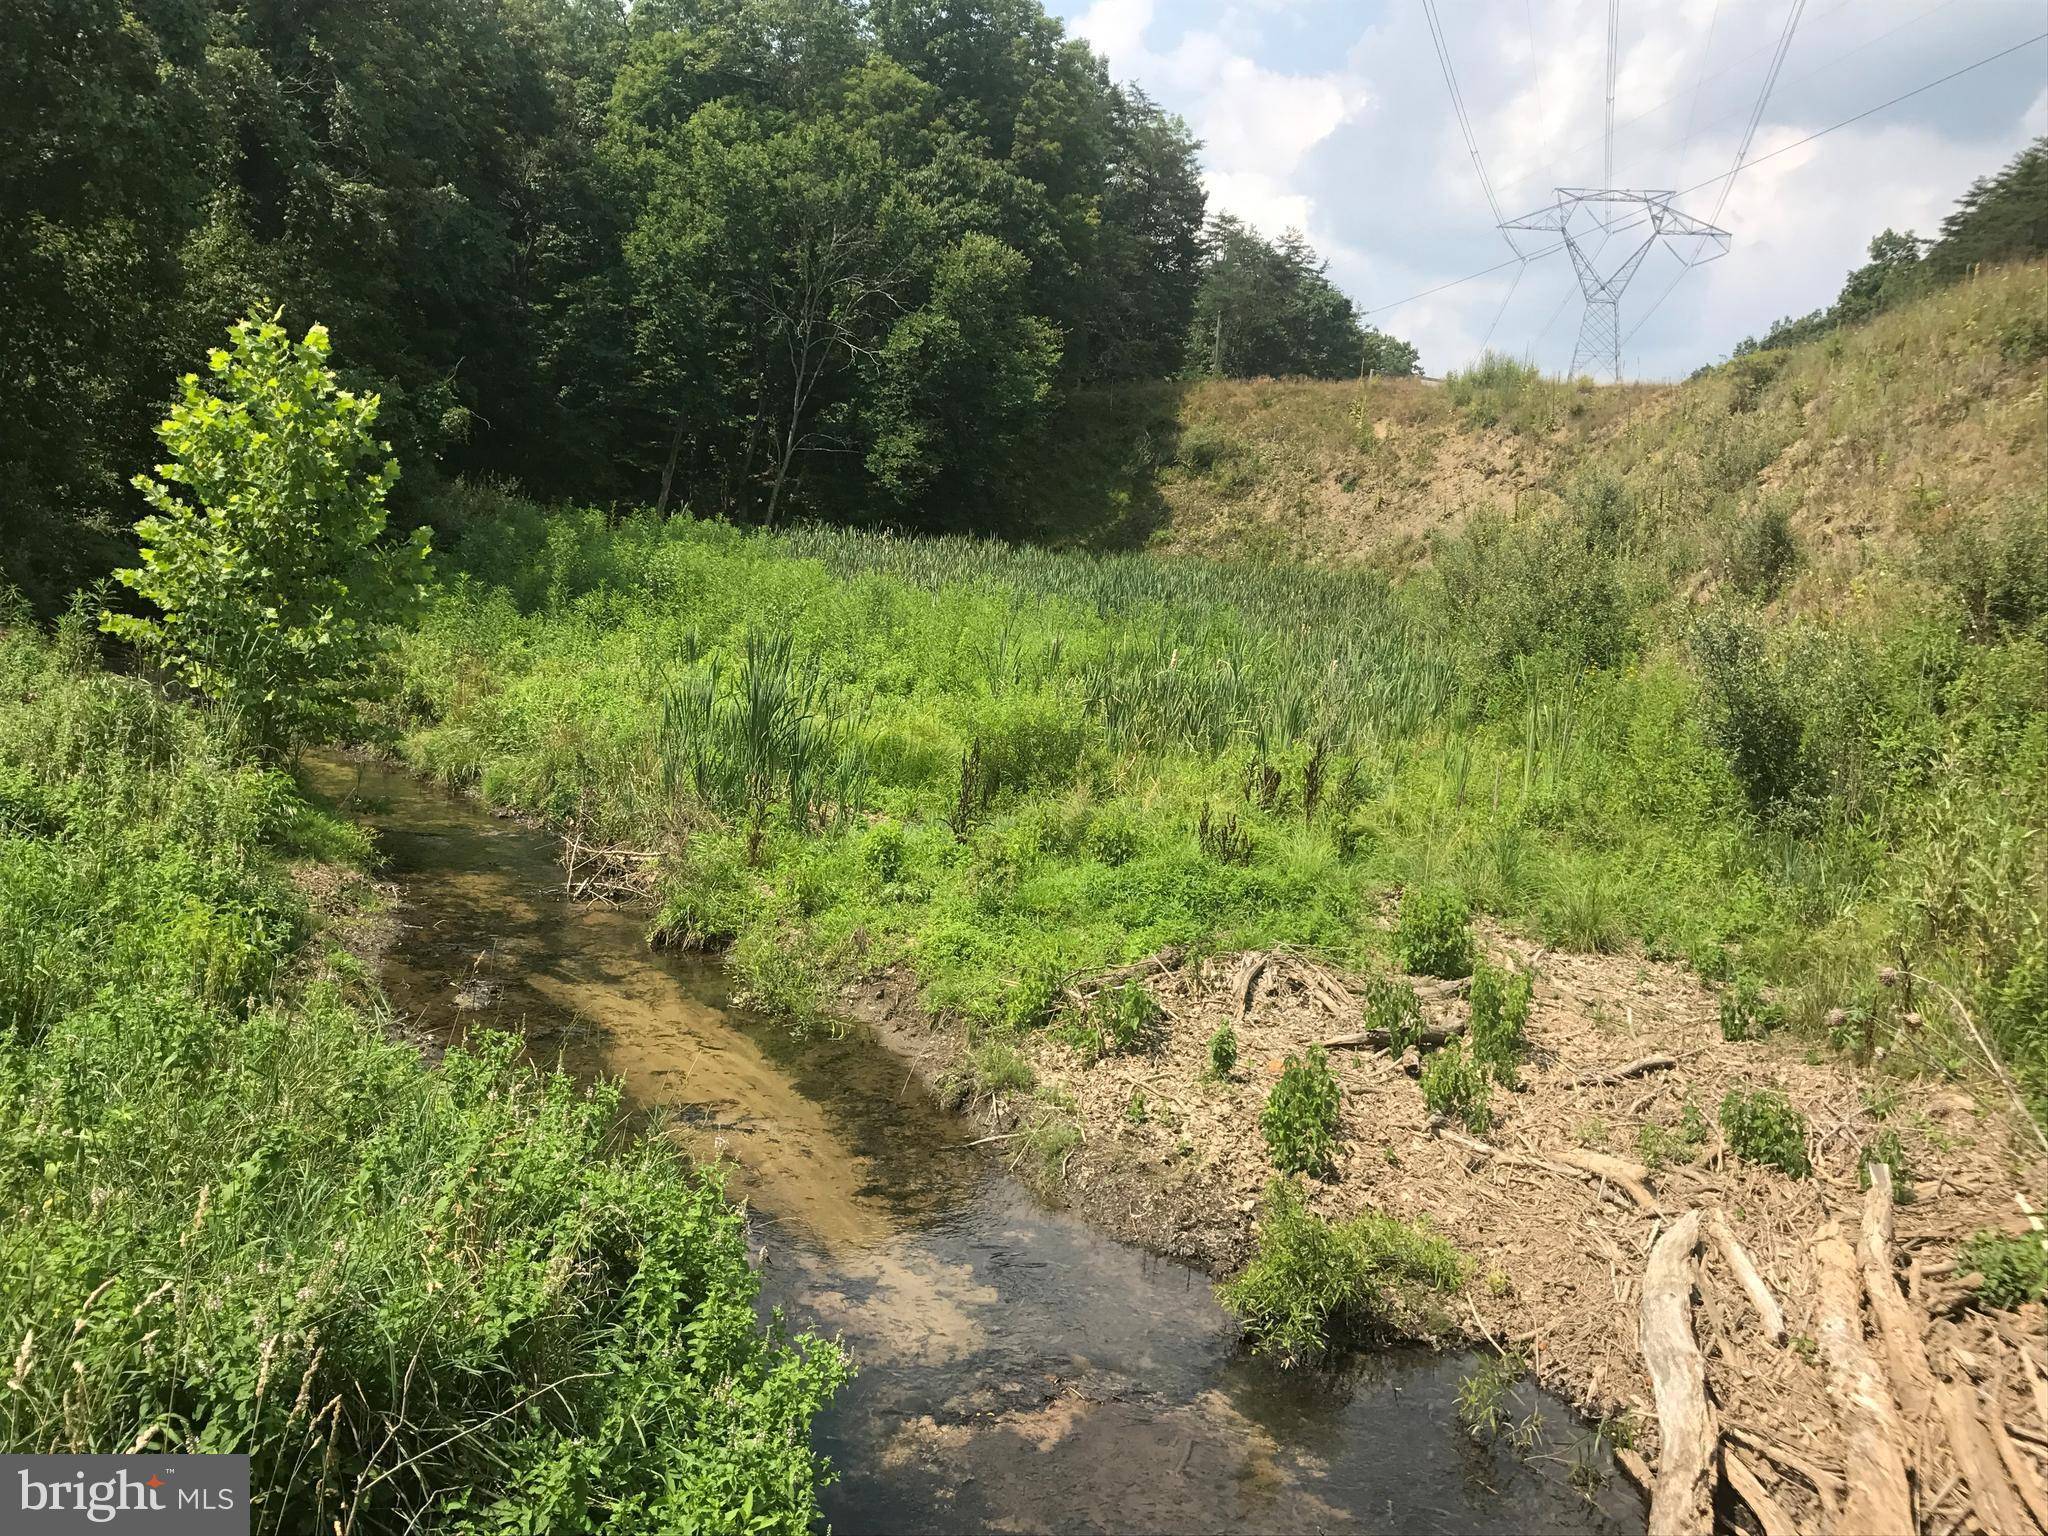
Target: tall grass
[[241, 1219]]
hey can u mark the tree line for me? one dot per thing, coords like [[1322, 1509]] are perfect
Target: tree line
[[2002, 217], [761, 257]]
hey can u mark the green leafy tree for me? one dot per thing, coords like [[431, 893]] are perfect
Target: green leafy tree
[[1266, 309], [266, 570]]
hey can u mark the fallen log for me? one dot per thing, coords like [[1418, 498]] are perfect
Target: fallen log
[[1992, 1495], [1683, 1500], [1642, 1068], [1633, 1178], [1376, 1039], [1743, 1479], [1733, 1255], [2020, 1471], [1878, 1498], [1563, 1170], [1167, 959], [1905, 1355], [1246, 984]]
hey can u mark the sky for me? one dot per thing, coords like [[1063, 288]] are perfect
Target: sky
[[1333, 116]]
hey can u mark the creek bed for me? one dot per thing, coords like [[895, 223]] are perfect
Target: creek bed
[[1019, 1371]]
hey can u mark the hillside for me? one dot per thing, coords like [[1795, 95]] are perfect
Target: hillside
[[1874, 436]]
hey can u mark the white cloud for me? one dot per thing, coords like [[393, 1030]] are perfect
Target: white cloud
[[1316, 116]]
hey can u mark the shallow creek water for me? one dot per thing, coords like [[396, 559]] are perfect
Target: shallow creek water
[[1019, 1371]]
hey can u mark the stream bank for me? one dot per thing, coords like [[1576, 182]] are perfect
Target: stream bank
[[1019, 1369]]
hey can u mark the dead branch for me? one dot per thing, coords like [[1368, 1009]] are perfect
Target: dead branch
[[1823, 1482], [1743, 1479], [1767, 1309], [2020, 1471], [1376, 1039], [1246, 983], [1167, 959], [1878, 1497], [1632, 1178], [1905, 1354], [1992, 1496], [1640, 1068], [1530, 1160], [1684, 1497]]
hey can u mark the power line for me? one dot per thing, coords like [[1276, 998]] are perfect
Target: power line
[[1550, 250], [1763, 101], [1706, 55], [1488, 337], [1443, 58], [1613, 65]]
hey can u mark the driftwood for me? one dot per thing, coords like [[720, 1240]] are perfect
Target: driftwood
[[1245, 985], [1642, 1068], [1632, 1178], [2020, 1471], [1683, 1501], [2034, 1382], [1992, 1496], [1905, 1354], [1767, 1309], [1823, 1482], [1530, 1160], [1743, 1479], [1878, 1496]]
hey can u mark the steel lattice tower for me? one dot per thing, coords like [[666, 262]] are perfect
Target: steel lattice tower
[[1692, 240]]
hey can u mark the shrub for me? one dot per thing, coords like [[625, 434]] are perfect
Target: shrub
[[1765, 551], [268, 582], [1223, 1051], [1128, 1016], [1886, 1148], [1763, 1127], [1746, 1014], [1659, 1145], [1454, 1085], [1315, 1285], [1434, 936], [2012, 1270], [1393, 1006], [1500, 1018], [1300, 1117], [1753, 713]]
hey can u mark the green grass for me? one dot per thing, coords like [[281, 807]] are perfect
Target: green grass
[[1002, 768], [240, 1218], [1315, 1285]]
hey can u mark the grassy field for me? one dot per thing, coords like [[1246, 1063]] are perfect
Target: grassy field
[[239, 1218], [1623, 716]]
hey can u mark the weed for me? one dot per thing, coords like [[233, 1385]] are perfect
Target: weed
[[1223, 1052], [2011, 1270], [1886, 1148], [1222, 838], [1300, 1117], [1316, 1285], [1763, 1127], [1483, 1395], [1393, 1006], [1746, 1013], [1661, 1146], [1434, 932], [1455, 1085], [1500, 1017]]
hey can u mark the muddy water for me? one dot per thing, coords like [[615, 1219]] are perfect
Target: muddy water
[[1019, 1371]]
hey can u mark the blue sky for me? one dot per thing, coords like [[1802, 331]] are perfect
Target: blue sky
[[1332, 115]]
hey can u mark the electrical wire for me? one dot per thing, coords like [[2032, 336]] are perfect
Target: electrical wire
[[1763, 101], [1443, 58], [1706, 54], [1786, 149]]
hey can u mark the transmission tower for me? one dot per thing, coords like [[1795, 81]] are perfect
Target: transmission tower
[[1692, 240]]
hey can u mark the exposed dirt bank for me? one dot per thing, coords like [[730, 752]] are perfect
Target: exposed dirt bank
[[1542, 1205]]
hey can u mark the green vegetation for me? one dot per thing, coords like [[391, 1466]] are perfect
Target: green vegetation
[[247, 1221], [1746, 1014], [2012, 1269], [268, 581], [1500, 1019], [1315, 1285], [1434, 935], [1763, 1127], [1266, 310], [1223, 1051], [1660, 1146], [1300, 1117], [1455, 1085], [1393, 1006], [1886, 1148]]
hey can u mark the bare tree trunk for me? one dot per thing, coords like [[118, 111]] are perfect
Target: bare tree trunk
[[668, 470]]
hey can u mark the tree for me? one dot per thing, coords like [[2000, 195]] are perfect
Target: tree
[[1267, 309], [267, 574], [1389, 357]]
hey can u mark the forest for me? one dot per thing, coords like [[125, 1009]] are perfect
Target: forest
[[824, 469]]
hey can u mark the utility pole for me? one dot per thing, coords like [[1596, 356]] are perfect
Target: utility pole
[[1692, 240]]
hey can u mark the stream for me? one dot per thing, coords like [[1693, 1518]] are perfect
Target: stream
[[1019, 1371]]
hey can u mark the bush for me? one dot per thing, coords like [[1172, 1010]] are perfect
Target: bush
[[1223, 1051], [2012, 1270], [1300, 1117], [1393, 1006], [1753, 713], [1433, 935], [268, 583], [1763, 1127], [1128, 1017], [1659, 1145], [1315, 1285], [1500, 1019], [1746, 1014], [1454, 1085], [1886, 1148]]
